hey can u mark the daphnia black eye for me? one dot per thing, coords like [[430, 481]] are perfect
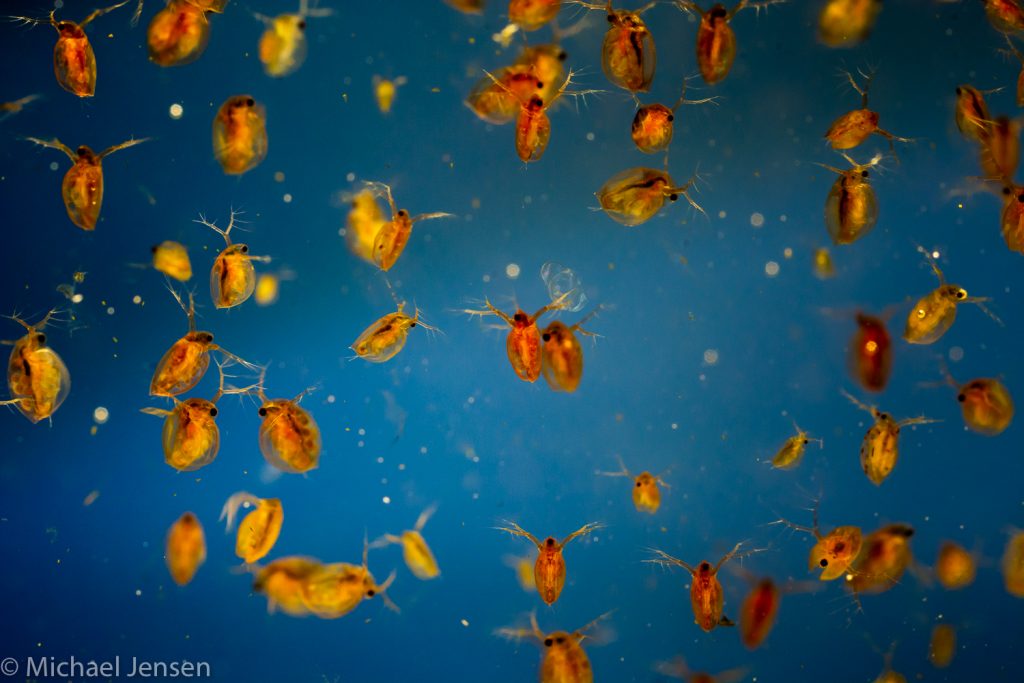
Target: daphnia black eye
[[302, 24], [41, 338], [370, 593], [548, 642], [961, 294], [824, 562], [244, 249], [250, 102], [263, 412], [213, 411], [863, 174], [546, 337], [961, 397], [672, 197], [403, 213]]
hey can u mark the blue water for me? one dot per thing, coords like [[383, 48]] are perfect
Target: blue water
[[90, 581]]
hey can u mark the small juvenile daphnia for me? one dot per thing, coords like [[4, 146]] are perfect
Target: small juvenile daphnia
[[82, 187], [854, 127], [934, 313], [844, 23], [549, 569], [1013, 565], [646, 494], [561, 356], [178, 34], [365, 219], [418, 557], [653, 124], [233, 277], [1006, 16], [888, 675], [185, 363], [74, 61], [882, 561], [942, 646], [259, 530], [1011, 221], [336, 589], [289, 436], [955, 567], [385, 90], [533, 127], [283, 580], [390, 240], [870, 352], [564, 659], [985, 403], [467, 6], [1020, 76], [171, 259], [523, 344], [523, 567], [240, 134], [283, 46], [851, 208], [497, 98], [635, 195], [791, 453], [972, 117], [37, 378], [185, 549], [832, 553], [15, 106], [880, 449], [678, 668], [758, 612], [191, 438], [999, 152], [628, 55], [381, 341], [716, 42], [706, 596], [530, 15]]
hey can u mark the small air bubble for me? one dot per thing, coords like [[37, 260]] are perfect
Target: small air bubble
[[710, 357], [757, 219], [110, 310], [100, 415], [386, 500], [136, 299], [956, 354], [512, 271], [54, 165], [287, 198], [176, 111], [771, 269]]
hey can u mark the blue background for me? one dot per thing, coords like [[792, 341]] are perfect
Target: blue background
[[91, 581]]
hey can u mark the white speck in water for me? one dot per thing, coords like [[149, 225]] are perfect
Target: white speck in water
[[110, 310], [710, 357], [77, 298], [465, 622], [350, 176], [721, 214], [54, 165], [486, 278], [136, 299], [771, 269], [100, 415], [138, 592], [787, 252], [757, 219], [287, 198], [176, 111], [512, 271], [783, 218], [386, 500], [331, 399], [590, 137], [935, 254], [956, 354]]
